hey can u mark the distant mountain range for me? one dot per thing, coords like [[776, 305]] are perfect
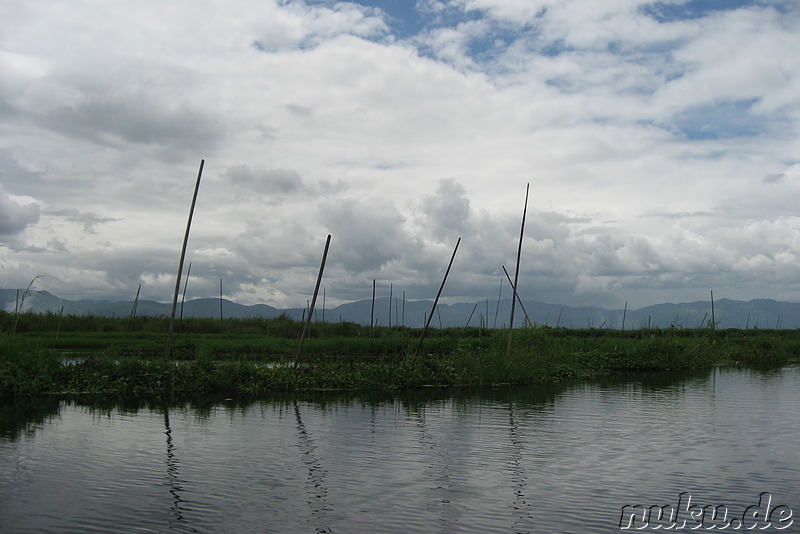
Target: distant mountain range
[[762, 313]]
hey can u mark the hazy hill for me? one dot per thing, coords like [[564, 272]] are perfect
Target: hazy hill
[[760, 313]]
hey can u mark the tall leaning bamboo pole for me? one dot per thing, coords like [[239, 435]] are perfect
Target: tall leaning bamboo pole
[[516, 273], [436, 301], [313, 302], [168, 350], [185, 285]]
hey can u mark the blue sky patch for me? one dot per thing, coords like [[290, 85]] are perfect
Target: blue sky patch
[[693, 9], [721, 120]]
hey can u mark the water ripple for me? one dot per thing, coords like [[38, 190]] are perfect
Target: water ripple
[[500, 461]]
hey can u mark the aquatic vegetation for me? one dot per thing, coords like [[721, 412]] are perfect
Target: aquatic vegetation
[[252, 356]]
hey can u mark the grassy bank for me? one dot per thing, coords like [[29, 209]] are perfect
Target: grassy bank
[[248, 357]]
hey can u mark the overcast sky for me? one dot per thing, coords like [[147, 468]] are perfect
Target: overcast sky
[[661, 141]]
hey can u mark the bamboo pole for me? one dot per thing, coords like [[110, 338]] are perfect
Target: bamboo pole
[[516, 273], [221, 324], [436, 301], [313, 302], [168, 350], [185, 284], [527, 318]]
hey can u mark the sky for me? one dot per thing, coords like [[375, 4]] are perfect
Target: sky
[[660, 141]]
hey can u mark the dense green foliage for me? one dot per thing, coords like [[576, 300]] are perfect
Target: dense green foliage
[[51, 354]]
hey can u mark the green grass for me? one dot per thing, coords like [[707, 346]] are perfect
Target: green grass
[[254, 356]]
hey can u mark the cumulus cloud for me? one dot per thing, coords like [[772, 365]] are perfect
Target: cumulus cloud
[[659, 139], [447, 211]]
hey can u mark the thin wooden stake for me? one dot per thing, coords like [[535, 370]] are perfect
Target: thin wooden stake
[[391, 287], [403, 316], [471, 314], [497, 310], [60, 315], [713, 318], [313, 302], [624, 313], [133, 308], [516, 273], [221, 324], [372, 313], [436, 301], [168, 350]]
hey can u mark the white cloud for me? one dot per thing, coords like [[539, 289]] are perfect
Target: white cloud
[[661, 151]]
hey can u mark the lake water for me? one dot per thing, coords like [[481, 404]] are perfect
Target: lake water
[[556, 458]]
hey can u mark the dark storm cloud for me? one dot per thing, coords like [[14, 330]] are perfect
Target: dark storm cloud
[[15, 217], [774, 178], [367, 236], [87, 219], [266, 181], [140, 120]]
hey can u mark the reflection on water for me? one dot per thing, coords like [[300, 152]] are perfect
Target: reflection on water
[[546, 458], [315, 482]]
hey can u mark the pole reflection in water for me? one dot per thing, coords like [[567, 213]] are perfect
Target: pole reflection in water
[[442, 490], [173, 480], [523, 509], [316, 490]]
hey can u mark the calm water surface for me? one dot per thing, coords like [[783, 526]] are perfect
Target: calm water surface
[[562, 458]]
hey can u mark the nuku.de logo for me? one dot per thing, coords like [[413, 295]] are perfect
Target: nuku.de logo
[[690, 516]]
